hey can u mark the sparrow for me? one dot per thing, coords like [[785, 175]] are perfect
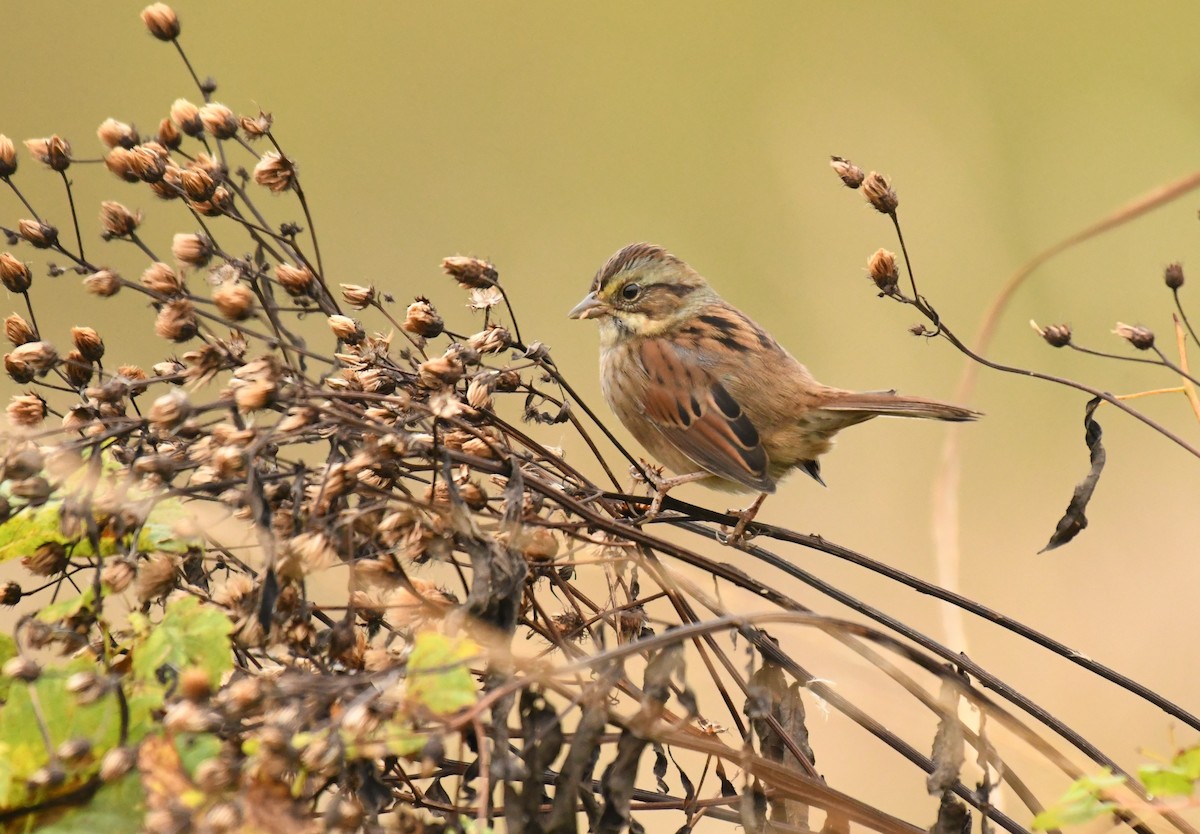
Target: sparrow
[[710, 394]]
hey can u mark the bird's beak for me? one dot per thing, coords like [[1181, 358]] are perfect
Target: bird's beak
[[591, 307]]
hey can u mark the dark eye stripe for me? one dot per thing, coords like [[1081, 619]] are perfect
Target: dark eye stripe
[[677, 290]]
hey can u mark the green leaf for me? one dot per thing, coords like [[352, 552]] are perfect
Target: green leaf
[[1188, 762], [26, 530], [23, 750], [1165, 780], [69, 607], [21, 534], [190, 634], [195, 748], [1082, 802], [117, 808], [8, 650], [437, 674]]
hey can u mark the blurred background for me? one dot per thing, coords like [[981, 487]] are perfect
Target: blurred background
[[544, 136]]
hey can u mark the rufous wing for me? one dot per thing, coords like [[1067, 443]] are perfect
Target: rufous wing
[[698, 416]]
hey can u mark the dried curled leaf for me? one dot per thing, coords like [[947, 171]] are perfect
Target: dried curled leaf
[[1074, 520]]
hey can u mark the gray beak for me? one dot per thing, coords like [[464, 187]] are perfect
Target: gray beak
[[591, 307]]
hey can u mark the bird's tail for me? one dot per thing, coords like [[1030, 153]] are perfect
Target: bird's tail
[[890, 404]]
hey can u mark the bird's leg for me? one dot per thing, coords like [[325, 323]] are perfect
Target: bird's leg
[[664, 485], [744, 518]]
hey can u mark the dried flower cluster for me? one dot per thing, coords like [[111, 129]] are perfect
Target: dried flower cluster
[[281, 565]]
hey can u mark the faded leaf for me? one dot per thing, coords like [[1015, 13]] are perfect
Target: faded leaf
[[1074, 520]]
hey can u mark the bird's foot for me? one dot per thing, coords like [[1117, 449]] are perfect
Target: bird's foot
[[661, 486], [744, 517]]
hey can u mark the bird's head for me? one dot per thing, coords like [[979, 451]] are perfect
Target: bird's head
[[643, 290]]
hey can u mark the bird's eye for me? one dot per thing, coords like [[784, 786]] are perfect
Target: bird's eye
[[630, 292]]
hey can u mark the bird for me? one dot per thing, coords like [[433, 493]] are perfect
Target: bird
[[708, 392]]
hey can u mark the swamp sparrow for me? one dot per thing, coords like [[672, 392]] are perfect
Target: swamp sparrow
[[707, 391]]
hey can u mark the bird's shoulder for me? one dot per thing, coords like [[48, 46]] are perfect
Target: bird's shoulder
[[726, 341]]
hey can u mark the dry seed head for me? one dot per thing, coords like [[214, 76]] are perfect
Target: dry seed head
[[479, 394], [117, 220], [18, 331], [879, 193], [275, 171], [187, 116], [170, 368], [161, 279], [296, 280], [23, 462], [18, 370], [85, 685], [210, 164], [111, 391], [80, 417], [156, 577], [14, 273], [49, 559], [570, 624], [41, 235], [103, 283], [219, 120], [477, 446], [10, 594], [255, 127], [220, 203], [310, 552], [358, 296], [1140, 337], [53, 151], [117, 762], [118, 574], [471, 273], [192, 249], [1173, 275], [8, 157], [26, 410], [422, 319], [507, 381], [347, 329], [473, 495], [345, 813], [440, 371], [297, 417], [22, 669], [850, 173], [177, 321], [74, 750], [881, 267], [631, 621], [1056, 335], [88, 343], [492, 340], [194, 685], [120, 161], [169, 410], [234, 300], [162, 21], [484, 298], [35, 490], [78, 370], [168, 135], [148, 162], [41, 356], [538, 544], [117, 134], [197, 184]]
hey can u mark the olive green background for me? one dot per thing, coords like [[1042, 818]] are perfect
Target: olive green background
[[544, 136]]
